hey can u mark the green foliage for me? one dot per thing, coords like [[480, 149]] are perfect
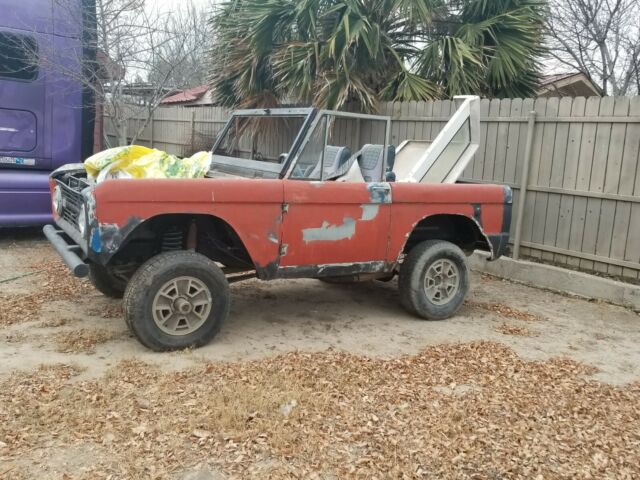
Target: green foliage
[[330, 52]]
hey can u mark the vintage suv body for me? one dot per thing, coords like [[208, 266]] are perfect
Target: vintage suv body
[[171, 247]]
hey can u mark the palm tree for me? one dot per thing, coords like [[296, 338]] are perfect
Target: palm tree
[[331, 52]]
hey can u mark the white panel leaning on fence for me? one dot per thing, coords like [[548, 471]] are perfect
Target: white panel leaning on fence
[[444, 159]]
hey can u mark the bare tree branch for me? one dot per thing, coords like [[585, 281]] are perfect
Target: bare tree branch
[[143, 54], [600, 38]]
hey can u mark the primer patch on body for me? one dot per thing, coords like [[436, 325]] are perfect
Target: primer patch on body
[[330, 233], [369, 212]]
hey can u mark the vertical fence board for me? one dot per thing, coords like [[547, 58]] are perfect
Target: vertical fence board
[[569, 176], [630, 156], [540, 168], [492, 138], [527, 108], [613, 223], [619, 235], [513, 139], [478, 162], [502, 142], [555, 212], [594, 241], [587, 148]]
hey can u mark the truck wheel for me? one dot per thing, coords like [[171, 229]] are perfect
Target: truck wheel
[[105, 282], [176, 300], [434, 280]]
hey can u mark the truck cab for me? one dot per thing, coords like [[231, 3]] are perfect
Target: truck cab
[[46, 114]]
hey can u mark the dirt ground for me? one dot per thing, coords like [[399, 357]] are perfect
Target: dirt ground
[[309, 380]]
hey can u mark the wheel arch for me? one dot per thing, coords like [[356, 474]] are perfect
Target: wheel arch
[[210, 235], [464, 231]]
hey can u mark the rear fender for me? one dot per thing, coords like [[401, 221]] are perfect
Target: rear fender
[[463, 230]]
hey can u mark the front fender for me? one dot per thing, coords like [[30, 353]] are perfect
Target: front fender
[[252, 208]]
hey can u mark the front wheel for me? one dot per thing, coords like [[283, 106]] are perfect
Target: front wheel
[[176, 300], [434, 280], [106, 282]]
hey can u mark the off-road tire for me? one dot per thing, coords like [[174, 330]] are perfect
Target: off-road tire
[[105, 282], [412, 278], [152, 276]]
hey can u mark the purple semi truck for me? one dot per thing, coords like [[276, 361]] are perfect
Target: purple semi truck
[[46, 114]]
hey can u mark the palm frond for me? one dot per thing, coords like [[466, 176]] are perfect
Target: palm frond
[[332, 52]]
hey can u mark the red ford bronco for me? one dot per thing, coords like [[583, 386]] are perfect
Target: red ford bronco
[[291, 193]]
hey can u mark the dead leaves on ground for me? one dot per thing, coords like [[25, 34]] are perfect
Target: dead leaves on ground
[[83, 340], [505, 311], [56, 282], [507, 329], [333, 415], [56, 322], [109, 311]]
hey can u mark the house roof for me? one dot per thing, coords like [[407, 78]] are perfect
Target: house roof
[[186, 96], [549, 79], [568, 84]]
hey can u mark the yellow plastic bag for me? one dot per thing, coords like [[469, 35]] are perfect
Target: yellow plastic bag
[[99, 161], [142, 162]]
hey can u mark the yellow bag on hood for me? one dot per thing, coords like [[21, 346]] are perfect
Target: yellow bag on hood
[[136, 161]]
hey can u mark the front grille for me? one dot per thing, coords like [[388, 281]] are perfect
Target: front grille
[[71, 204], [72, 186]]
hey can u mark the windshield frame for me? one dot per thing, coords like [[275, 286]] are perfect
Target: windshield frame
[[258, 169], [319, 115]]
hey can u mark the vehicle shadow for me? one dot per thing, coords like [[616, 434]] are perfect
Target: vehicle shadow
[[20, 234]]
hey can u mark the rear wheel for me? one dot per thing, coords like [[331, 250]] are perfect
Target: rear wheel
[[176, 300], [106, 282], [434, 280]]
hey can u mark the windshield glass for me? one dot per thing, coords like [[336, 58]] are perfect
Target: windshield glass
[[256, 146]]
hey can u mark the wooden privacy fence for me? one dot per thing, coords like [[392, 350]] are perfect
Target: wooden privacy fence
[[177, 130], [578, 159]]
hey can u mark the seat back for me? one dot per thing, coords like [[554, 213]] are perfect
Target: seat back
[[334, 159], [371, 161]]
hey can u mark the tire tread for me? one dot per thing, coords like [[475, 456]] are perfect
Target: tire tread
[[100, 278], [143, 279], [410, 287]]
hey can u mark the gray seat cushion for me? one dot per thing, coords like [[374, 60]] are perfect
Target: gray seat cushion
[[335, 158], [371, 161]]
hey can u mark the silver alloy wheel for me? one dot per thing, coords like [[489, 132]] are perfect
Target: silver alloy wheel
[[182, 305], [442, 281]]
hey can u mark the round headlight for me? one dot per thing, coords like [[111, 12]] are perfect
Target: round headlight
[[82, 220], [57, 200]]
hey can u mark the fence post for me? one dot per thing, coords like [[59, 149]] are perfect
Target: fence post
[[193, 128], [151, 130], [524, 183]]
